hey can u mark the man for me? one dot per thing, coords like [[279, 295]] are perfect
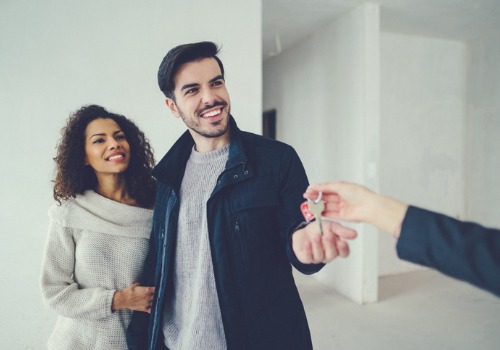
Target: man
[[223, 236], [463, 250]]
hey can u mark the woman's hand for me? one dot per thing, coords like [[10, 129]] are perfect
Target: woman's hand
[[355, 203], [134, 297]]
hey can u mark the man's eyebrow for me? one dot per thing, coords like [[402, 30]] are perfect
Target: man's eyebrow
[[188, 86], [219, 77]]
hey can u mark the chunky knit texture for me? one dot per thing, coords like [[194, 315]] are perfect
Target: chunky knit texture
[[192, 313], [94, 247]]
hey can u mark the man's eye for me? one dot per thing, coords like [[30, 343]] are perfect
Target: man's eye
[[217, 83], [191, 91]]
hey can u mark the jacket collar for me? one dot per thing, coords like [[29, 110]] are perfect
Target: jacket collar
[[171, 168]]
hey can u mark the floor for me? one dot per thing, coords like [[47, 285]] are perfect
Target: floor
[[417, 310]]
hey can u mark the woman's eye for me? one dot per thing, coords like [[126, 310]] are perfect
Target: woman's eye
[[120, 137], [98, 141]]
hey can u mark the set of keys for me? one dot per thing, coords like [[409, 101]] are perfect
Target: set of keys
[[312, 209]]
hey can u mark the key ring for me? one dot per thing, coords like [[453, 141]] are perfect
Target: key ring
[[316, 201]]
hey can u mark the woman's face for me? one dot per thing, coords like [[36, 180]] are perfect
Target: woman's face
[[106, 148]]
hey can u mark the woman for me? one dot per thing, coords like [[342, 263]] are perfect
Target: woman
[[99, 230]]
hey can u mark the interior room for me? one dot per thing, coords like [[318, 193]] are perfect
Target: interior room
[[398, 96], [401, 96]]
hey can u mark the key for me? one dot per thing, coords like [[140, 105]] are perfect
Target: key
[[316, 207]]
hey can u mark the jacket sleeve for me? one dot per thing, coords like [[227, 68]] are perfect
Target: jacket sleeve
[[59, 289], [463, 250], [293, 183], [137, 331]]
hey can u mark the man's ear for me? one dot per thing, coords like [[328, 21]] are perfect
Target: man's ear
[[173, 108]]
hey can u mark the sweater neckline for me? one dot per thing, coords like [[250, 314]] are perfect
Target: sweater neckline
[[211, 156]]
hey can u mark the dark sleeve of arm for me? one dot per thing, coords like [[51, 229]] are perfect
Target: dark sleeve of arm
[[307, 269], [463, 250], [294, 183], [137, 331]]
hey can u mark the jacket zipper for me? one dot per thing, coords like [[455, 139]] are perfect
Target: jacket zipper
[[236, 224]]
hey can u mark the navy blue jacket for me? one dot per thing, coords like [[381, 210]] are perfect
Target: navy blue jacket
[[252, 212], [463, 250]]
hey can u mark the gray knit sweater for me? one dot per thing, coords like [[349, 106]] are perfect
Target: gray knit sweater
[[94, 247], [192, 318]]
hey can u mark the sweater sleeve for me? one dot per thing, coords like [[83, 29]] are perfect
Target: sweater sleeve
[[463, 250], [59, 289]]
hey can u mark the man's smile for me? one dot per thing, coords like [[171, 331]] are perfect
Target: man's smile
[[213, 110], [212, 113]]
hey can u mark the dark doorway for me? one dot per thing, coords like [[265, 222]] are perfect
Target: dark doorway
[[269, 123]]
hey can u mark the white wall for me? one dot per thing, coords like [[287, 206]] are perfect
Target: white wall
[[414, 150], [422, 128], [483, 132], [57, 55], [321, 89]]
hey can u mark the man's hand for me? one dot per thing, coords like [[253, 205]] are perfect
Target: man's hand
[[311, 247]]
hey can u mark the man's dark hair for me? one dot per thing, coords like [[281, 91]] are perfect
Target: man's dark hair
[[183, 54]]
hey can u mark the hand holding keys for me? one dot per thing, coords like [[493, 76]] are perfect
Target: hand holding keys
[[332, 243], [314, 207]]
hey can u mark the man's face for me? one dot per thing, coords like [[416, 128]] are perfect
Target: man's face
[[201, 99]]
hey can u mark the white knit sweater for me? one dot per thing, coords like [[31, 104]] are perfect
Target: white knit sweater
[[94, 247]]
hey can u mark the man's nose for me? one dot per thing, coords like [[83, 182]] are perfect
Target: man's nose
[[207, 96]]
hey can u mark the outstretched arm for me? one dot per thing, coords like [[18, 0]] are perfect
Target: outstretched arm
[[463, 250], [355, 203]]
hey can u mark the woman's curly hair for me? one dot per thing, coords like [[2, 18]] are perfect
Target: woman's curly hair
[[73, 177]]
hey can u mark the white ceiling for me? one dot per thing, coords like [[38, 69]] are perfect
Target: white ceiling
[[286, 22]]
